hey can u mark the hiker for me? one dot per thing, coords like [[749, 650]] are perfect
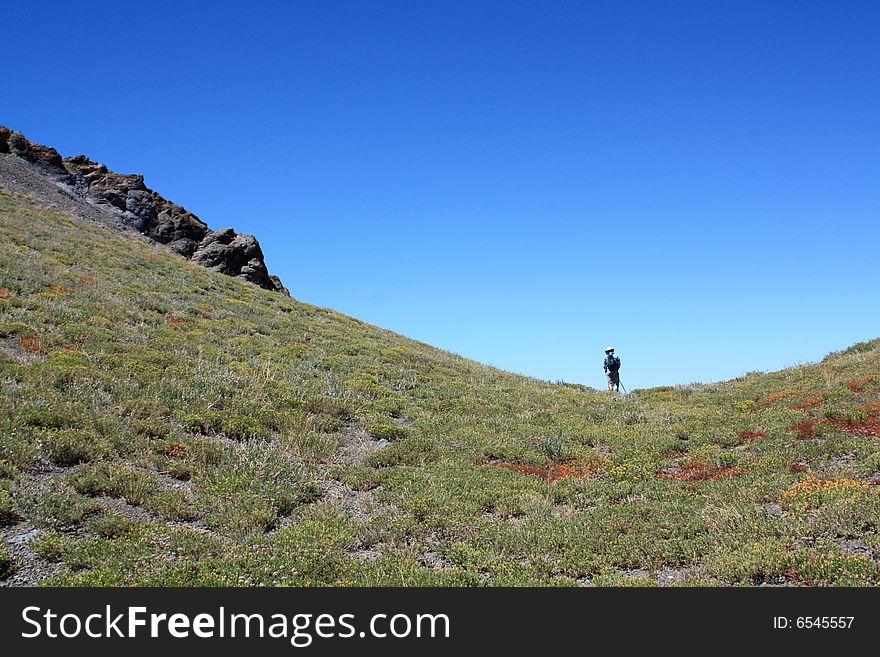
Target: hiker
[[612, 369]]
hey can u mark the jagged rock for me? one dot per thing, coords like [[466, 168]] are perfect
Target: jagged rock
[[46, 158], [279, 286], [176, 223], [136, 205], [225, 251], [184, 246], [236, 255], [128, 200]]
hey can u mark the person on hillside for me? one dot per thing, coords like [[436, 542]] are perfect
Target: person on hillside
[[612, 369]]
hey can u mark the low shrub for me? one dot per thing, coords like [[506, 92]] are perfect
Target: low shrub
[[239, 427], [554, 448], [71, 447], [172, 504], [110, 524], [117, 480], [389, 432], [44, 418], [325, 423], [406, 452], [8, 514], [49, 544], [55, 505], [321, 405], [7, 563]]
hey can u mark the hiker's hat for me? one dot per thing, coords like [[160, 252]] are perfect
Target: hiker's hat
[[607, 349]]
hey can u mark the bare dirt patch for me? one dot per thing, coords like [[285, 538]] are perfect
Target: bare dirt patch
[[355, 445], [29, 567], [15, 352], [362, 506]]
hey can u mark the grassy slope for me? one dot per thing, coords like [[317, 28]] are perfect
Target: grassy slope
[[166, 425]]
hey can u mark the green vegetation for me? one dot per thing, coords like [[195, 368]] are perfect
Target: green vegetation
[[7, 564], [165, 425]]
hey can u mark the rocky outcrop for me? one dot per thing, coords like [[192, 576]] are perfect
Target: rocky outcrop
[[234, 255], [130, 202]]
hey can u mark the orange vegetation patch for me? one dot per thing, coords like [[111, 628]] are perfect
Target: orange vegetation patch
[[174, 321], [776, 396], [4, 293], [871, 408], [88, 280], [745, 436], [869, 427], [31, 344], [548, 473], [698, 471], [175, 450], [812, 484], [806, 429], [810, 401], [858, 385], [62, 289]]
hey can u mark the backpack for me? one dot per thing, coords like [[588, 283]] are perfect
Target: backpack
[[613, 363]]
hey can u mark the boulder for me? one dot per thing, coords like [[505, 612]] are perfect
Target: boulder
[[236, 255]]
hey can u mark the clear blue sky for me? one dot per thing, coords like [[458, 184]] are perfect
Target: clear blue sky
[[522, 183]]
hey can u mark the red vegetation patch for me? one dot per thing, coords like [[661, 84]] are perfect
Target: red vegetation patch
[[858, 385], [4, 293], [174, 321], [806, 429], [869, 427], [88, 280], [810, 401], [745, 436], [798, 466], [548, 473], [698, 471]]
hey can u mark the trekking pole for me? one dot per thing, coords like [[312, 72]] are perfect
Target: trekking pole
[[621, 385]]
